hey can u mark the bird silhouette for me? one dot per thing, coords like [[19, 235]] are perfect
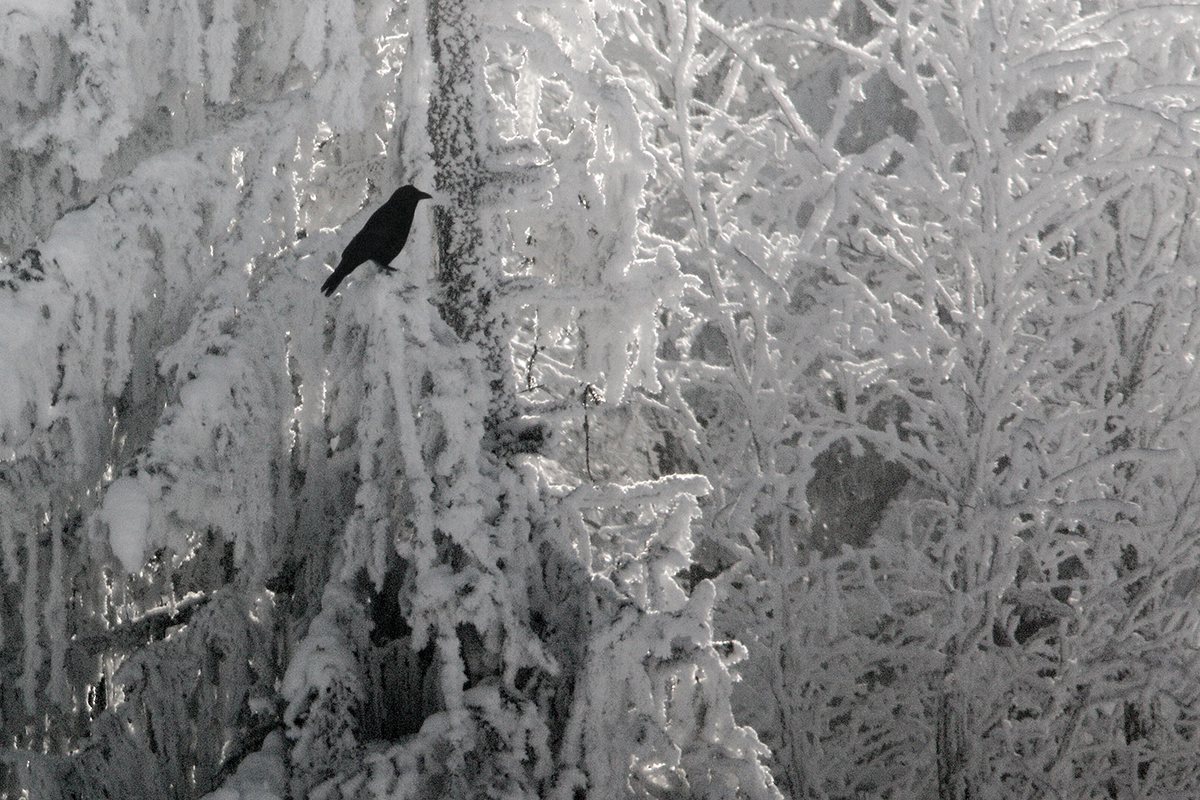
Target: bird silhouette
[[382, 238]]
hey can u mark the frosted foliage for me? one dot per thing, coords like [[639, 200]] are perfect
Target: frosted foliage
[[212, 670], [527, 685], [323, 689], [938, 370], [117, 281], [85, 116], [208, 463], [562, 105], [90, 92], [651, 714], [257, 543], [170, 169], [771, 393]]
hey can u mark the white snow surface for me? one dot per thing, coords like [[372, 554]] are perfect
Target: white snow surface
[[126, 510]]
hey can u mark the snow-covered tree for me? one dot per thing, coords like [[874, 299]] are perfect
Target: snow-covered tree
[[379, 525], [845, 348], [937, 367]]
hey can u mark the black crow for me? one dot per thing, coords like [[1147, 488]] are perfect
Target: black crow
[[382, 238]]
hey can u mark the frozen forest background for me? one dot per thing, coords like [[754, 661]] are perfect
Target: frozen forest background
[[780, 399]]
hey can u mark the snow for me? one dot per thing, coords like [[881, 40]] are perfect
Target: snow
[[261, 775], [40, 12], [685, 272], [126, 511], [19, 375]]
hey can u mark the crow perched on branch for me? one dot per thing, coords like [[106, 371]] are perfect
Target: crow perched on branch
[[382, 238]]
